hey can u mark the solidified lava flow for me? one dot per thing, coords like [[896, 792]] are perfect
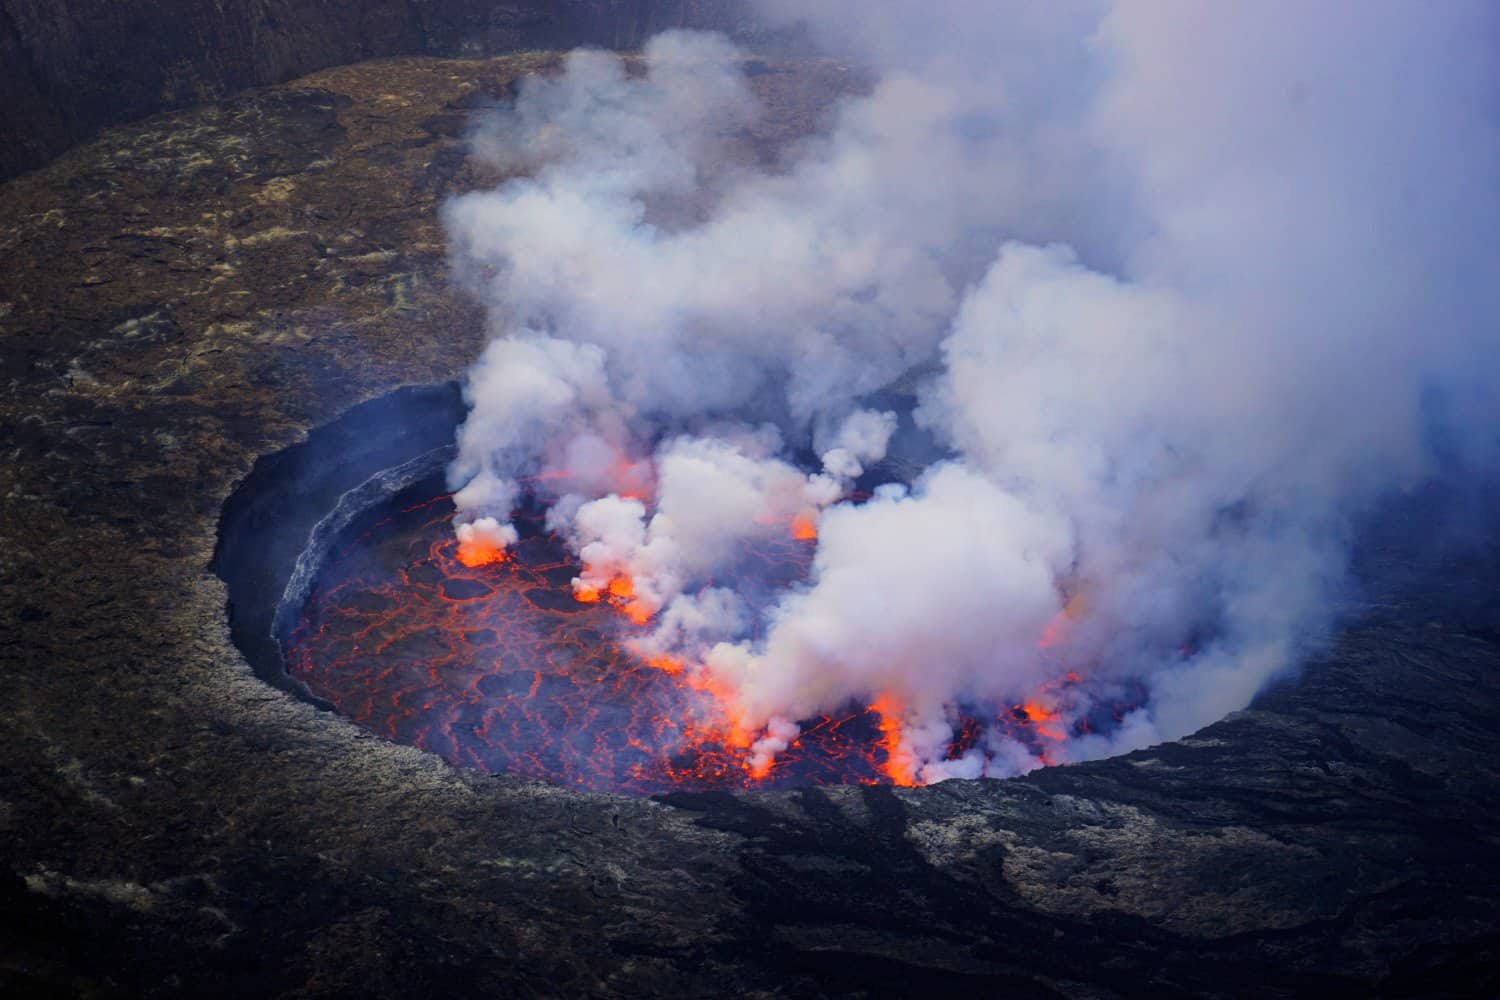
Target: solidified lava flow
[[502, 668]]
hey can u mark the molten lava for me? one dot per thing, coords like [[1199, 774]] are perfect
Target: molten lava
[[898, 764], [474, 553], [503, 661]]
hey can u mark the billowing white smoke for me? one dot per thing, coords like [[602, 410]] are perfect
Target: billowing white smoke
[[1185, 288]]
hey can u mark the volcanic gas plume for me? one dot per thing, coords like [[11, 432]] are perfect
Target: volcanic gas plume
[[1155, 299], [510, 666]]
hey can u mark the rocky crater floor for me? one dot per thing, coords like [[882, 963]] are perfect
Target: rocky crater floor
[[187, 294]]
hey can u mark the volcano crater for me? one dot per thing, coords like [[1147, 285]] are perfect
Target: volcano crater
[[347, 589], [171, 822]]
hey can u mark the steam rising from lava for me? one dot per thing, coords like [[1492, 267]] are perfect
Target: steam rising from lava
[[1182, 288]]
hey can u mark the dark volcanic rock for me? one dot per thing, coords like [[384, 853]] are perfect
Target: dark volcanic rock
[[68, 67], [193, 292], [465, 590]]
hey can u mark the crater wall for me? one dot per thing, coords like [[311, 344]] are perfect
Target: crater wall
[[70, 67]]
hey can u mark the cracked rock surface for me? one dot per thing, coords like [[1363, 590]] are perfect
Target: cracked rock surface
[[192, 292], [70, 67]]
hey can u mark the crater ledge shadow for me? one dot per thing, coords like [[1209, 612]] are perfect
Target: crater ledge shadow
[[279, 521]]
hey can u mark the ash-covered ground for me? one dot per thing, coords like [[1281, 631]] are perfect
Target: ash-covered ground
[[190, 293]]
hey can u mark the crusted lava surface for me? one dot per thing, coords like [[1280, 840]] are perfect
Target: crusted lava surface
[[504, 667], [193, 292], [501, 667]]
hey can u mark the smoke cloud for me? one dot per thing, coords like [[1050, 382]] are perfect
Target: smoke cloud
[[1183, 289]]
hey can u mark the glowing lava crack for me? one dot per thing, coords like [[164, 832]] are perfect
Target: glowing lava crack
[[502, 666]]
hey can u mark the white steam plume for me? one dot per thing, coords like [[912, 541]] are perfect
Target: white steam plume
[[1187, 287]]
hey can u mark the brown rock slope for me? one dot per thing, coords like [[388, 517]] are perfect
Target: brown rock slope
[[186, 294], [69, 67]]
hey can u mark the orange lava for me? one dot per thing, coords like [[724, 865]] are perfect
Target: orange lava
[[477, 552], [665, 664], [804, 528], [898, 765], [504, 665], [1045, 722], [621, 594]]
